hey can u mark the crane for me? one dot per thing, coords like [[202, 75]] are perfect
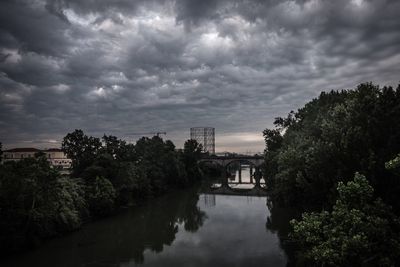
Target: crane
[[149, 133]]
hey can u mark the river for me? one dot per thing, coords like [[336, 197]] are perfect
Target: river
[[183, 228]]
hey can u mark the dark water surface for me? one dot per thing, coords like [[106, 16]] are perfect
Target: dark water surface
[[184, 228]]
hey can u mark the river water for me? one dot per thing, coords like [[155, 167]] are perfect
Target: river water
[[184, 228]]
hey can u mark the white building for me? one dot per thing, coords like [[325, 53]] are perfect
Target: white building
[[55, 156]]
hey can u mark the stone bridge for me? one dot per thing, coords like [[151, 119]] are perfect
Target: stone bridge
[[255, 162], [225, 161]]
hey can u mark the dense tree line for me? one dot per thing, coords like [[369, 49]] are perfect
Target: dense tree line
[[337, 157], [36, 201], [329, 139]]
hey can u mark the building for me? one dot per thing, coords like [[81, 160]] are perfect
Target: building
[[55, 156], [19, 153], [204, 136]]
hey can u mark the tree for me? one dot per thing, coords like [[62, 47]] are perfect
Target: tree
[[359, 231], [82, 149], [394, 165], [161, 164], [331, 138], [192, 152], [148, 168], [131, 184], [117, 148], [36, 202], [150, 153], [100, 195]]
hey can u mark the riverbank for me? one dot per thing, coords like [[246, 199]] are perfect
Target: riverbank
[[37, 202], [181, 228]]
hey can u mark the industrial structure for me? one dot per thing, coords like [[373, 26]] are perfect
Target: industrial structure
[[204, 136]]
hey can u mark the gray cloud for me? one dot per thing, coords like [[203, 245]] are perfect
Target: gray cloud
[[124, 66]]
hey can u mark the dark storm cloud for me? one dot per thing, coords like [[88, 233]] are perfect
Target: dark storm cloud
[[123, 66]]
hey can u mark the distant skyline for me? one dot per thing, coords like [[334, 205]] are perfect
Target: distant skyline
[[123, 66]]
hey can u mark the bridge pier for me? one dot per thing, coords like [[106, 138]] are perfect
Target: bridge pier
[[257, 177], [251, 173], [257, 189], [240, 172], [224, 182]]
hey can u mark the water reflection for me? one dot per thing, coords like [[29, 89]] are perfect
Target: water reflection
[[240, 173], [181, 229], [279, 222]]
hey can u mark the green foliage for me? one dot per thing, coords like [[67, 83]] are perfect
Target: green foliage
[[148, 168], [36, 202], [118, 149], [315, 150], [331, 138], [394, 165], [359, 231], [82, 149], [131, 184], [71, 203], [160, 162], [192, 152], [100, 195]]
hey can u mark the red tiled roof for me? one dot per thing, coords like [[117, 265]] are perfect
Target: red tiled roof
[[23, 149]]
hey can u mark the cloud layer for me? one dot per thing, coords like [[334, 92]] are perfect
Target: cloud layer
[[126, 66]]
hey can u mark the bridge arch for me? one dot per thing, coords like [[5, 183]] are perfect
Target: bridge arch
[[256, 161], [245, 161]]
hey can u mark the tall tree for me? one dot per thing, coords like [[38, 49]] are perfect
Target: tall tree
[[192, 152], [331, 138], [82, 149]]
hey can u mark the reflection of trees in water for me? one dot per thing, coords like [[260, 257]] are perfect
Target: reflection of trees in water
[[159, 224], [148, 227], [192, 217], [278, 222]]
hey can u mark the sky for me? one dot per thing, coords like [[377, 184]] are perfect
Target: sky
[[122, 66]]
